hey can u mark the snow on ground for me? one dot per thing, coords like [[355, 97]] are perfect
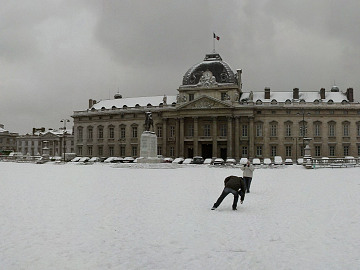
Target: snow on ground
[[105, 217]]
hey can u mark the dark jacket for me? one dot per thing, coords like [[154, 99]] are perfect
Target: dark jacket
[[236, 183]]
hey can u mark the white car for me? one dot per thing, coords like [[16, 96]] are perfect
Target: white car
[[267, 161], [219, 161], [178, 160], [187, 161], [243, 161], [278, 160], [288, 161], [256, 162]]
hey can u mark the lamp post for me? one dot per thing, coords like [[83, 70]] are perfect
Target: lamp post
[[64, 133], [303, 128]]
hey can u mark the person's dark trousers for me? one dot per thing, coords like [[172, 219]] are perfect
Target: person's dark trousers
[[247, 183], [226, 192]]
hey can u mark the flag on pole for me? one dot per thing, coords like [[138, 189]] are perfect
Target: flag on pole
[[216, 37]]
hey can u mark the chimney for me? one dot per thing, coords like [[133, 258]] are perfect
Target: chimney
[[34, 130], [239, 72], [267, 92], [296, 93], [90, 103], [322, 93], [350, 94]]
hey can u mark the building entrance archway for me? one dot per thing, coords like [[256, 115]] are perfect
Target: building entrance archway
[[206, 150]]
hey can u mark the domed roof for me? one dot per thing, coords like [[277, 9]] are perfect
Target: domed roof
[[213, 63], [334, 89]]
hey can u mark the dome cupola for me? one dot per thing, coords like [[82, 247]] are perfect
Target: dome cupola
[[213, 64]]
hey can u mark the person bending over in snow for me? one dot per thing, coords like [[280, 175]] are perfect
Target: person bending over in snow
[[248, 174], [234, 185]]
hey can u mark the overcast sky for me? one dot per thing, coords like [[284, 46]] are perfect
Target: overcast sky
[[56, 54]]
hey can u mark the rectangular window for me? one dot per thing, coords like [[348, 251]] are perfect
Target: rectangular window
[[90, 152], [259, 150], [79, 150], [302, 130], [317, 130], [358, 149], [346, 150], [100, 133], [191, 97], [288, 130], [358, 130], [80, 134], [259, 130], [244, 130], [273, 130], [111, 151], [273, 150], [331, 130], [172, 131], [244, 151], [331, 150], [90, 133], [100, 150], [134, 132], [207, 130], [122, 151], [224, 96], [346, 130], [111, 133], [223, 130], [159, 131], [159, 150], [122, 132], [172, 151], [134, 151], [317, 151], [288, 151], [190, 130]]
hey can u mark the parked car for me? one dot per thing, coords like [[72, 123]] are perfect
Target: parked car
[[230, 161], [84, 159], [208, 161], [300, 161], [113, 160], [219, 161], [267, 161], [188, 161], [178, 160], [243, 161], [198, 160], [94, 159], [289, 161], [76, 159], [256, 162], [128, 160], [278, 160], [168, 160]]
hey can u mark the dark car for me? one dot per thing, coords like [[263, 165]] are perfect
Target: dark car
[[198, 160]]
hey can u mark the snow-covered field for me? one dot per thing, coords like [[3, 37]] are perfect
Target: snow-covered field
[[105, 217]]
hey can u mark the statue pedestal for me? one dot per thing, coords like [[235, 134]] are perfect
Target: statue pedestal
[[148, 148]]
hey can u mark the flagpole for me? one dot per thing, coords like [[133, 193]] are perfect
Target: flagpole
[[213, 42]]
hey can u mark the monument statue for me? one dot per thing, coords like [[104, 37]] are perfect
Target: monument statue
[[148, 121]]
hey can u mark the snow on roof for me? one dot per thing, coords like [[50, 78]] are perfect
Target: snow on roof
[[3, 130], [307, 96], [132, 102]]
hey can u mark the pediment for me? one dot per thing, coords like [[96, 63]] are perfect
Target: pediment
[[49, 135], [205, 102]]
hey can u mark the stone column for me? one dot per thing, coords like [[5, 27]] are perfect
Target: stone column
[[177, 137], [229, 151], [237, 137], [214, 128], [196, 136], [181, 137], [164, 137], [251, 137]]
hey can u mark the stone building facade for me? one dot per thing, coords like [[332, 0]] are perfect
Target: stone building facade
[[212, 116], [7, 141], [33, 144]]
